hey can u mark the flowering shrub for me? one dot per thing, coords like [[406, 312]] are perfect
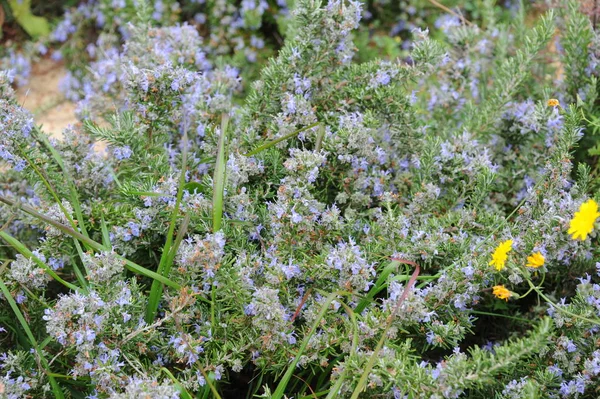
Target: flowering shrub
[[400, 228]]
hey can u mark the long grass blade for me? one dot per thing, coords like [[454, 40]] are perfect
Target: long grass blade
[[279, 140], [362, 382], [68, 179], [56, 390], [95, 245], [279, 391], [167, 257], [23, 250], [393, 265], [182, 391], [219, 176]]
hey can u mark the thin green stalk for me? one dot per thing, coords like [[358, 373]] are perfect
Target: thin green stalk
[[23, 250], [202, 371], [105, 235], [382, 283], [208, 381], [279, 140], [182, 391], [362, 382], [219, 176], [334, 390], [97, 246], [213, 307], [501, 315], [531, 289], [279, 391], [51, 189], [80, 277], [559, 308], [168, 254], [34, 297], [72, 190], [320, 137], [58, 393], [393, 265]]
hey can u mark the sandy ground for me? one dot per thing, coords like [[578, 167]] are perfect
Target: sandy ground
[[43, 98]]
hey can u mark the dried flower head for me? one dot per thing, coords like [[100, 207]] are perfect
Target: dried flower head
[[582, 223]]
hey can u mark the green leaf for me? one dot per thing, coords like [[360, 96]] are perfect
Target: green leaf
[[219, 177], [182, 391], [192, 187], [33, 25], [279, 140], [280, 390], [56, 390], [23, 250], [93, 244], [169, 250]]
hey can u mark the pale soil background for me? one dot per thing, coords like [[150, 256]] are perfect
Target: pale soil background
[[43, 98]]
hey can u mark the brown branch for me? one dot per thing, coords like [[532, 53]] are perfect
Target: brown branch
[[443, 7], [411, 282], [299, 308]]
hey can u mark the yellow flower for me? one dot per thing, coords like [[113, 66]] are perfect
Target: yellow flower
[[582, 223], [553, 102], [501, 292], [500, 254], [535, 260]]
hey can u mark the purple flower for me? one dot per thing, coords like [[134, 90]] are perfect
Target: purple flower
[[290, 270], [555, 370], [573, 387], [430, 337], [122, 152]]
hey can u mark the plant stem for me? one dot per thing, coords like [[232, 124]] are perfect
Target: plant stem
[[58, 393], [168, 254], [97, 246], [559, 308], [279, 140], [219, 176]]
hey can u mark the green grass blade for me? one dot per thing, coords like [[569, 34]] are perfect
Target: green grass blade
[[182, 391], [95, 245], [167, 257], [279, 391], [80, 276], [58, 393], [320, 137], [279, 140], [69, 180], [105, 235], [23, 250], [393, 265], [219, 176], [335, 389], [362, 382]]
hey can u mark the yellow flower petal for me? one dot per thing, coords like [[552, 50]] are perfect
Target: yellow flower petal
[[501, 254], [535, 260], [582, 223], [501, 292]]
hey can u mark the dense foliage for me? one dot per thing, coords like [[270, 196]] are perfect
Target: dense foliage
[[256, 205]]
